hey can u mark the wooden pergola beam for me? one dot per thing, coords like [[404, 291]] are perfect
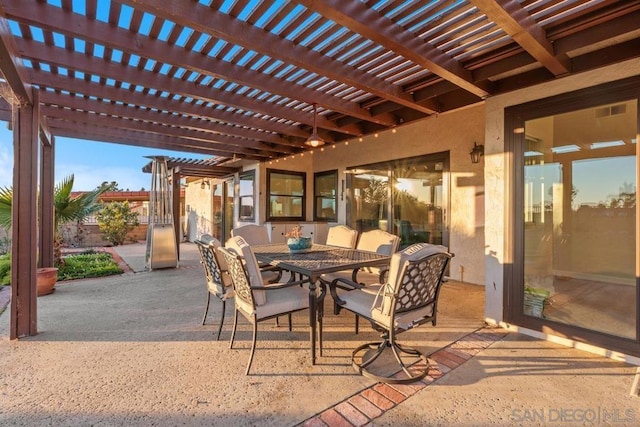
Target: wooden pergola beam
[[516, 22], [65, 22], [363, 20], [119, 72], [11, 67], [226, 27]]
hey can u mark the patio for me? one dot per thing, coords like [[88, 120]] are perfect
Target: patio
[[129, 350]]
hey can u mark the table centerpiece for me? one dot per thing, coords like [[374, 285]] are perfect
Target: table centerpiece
[[296, 241]]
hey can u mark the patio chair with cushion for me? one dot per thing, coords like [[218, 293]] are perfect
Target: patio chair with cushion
[[409, 298], [255, 301], [258, 235], [215, 271], [252, 234], [373, 241], [342, 236]]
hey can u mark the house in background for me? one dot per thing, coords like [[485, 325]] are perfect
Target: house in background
[[87, 233]]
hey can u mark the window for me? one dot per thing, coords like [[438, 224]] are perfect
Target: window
[[286, 199], [325, 187], [247, 196]]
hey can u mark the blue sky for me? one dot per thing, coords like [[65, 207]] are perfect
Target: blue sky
[[91, 162]]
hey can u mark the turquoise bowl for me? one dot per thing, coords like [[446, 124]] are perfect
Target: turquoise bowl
[[299, 244]]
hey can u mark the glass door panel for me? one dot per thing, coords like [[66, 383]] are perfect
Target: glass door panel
[[228, 208], [217, 219], [418, 199], [579, 218], [414, 207], [368, 205]]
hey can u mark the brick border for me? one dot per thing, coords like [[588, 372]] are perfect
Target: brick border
[[366, 405]]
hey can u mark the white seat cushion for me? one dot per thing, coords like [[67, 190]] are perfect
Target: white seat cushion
[[361, 301], [279, 301]]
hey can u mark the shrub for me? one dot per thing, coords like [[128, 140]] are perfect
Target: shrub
[[88, 264], [115, 220], [5, 270]]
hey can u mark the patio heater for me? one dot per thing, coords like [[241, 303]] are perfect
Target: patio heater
[[161, 239]]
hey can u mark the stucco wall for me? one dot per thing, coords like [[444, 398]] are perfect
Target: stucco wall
[[454, 132], [198, 210], [497, 174]]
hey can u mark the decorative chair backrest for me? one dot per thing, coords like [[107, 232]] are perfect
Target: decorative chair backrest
[[415, 277], [239, 277], [342, 236], [242, 248], [253, 234], [212, 268], [378, 241]]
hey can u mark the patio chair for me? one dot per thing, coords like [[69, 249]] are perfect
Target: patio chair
[[215, 271], [367, 278], [408, 299], [255, 301], [258, 235], [252, 234], [342, 236]]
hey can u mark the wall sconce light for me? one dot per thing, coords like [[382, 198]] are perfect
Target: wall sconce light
[[314, 140], [203, 183], [476, 153]]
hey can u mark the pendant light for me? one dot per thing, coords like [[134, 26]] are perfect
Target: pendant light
[[314, 140]]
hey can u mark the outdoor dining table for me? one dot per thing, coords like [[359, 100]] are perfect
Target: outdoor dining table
[[313, 263]]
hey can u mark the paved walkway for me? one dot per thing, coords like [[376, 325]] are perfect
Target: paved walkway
[[130, 350]]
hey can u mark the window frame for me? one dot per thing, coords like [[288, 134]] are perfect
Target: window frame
[[249, 175], [316, 215], [303, 198]]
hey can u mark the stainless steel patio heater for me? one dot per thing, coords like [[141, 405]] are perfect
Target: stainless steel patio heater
[[161, 239]]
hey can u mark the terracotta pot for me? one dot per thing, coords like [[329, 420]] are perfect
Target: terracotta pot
[[46, 279]]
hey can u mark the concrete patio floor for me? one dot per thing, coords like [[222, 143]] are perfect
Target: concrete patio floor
[[130, 350]]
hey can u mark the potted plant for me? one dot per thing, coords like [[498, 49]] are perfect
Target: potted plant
[[296, 241], [66, 209]]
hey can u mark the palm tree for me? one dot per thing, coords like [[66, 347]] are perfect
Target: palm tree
[[66, 208]]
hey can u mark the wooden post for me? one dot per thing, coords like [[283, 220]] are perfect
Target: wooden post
[[175, 192], [24, 225], [46, 203]]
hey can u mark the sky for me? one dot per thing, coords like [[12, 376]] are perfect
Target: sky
[[91, 162]]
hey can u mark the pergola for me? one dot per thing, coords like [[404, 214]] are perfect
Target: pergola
[[242, 78]]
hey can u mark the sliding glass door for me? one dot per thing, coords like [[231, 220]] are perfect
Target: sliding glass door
[[575, 269], [579, 218], [406, 197]]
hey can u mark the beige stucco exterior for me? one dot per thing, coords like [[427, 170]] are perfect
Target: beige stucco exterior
[[198, 210], [454, 132], [479, 223]]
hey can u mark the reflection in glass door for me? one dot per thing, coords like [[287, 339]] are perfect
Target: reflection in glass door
[[579, 218], [413, 207], [222, 221]]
